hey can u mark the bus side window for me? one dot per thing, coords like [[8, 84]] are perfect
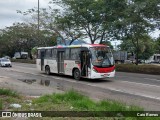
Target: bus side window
[[67, 54], [75, 53], [54, 53], [48, 53]]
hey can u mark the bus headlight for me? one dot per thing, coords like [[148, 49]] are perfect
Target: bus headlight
[[95, 70]]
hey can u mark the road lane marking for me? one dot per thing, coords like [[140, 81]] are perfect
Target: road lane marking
[[142, 95], [123, 91], [141, 84], [152, 79]]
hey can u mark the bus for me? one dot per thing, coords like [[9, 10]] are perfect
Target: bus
[[91, 61]]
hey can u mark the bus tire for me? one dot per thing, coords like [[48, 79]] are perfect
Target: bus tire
[[76, 74], [47, 70]]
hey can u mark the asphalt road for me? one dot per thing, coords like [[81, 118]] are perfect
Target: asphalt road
[[130, 88]]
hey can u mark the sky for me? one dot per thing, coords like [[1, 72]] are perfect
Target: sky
[[8, 10]]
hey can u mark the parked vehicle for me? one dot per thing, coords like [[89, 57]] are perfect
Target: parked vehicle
[[120, 56], [5, 62], [153, 59], [21, 55]]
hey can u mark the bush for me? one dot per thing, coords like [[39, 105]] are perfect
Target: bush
[[145, 69], [24, 61]]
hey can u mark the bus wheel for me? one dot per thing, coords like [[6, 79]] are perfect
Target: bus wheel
[[47, 70], [76, 74]]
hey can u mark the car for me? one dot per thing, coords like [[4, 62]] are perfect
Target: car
[[5, 62]]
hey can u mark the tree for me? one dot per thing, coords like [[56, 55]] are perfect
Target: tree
[[66, 27], [157, 46], [146, 47], [47, 33], [5, 43], [141, 18], [23, 37], [94, 19], [17, 39]]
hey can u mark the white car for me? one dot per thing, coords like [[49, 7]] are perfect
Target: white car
[[5, 62]]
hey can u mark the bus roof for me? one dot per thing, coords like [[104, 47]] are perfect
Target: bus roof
[[74, 46]]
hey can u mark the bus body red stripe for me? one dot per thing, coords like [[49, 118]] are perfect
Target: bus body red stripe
[[104, 70]]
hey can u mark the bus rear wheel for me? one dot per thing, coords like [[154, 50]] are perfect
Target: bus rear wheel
[[76, 74], [47, 70]]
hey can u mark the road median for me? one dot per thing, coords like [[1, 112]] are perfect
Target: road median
[[143, 69]]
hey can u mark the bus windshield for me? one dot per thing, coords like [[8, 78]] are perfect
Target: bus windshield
[[101, 57]]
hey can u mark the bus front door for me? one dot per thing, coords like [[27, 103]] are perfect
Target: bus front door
[[42, 60], [84, 63], [60, 62]]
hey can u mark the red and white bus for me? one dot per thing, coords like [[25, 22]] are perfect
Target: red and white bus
[[80, 61]]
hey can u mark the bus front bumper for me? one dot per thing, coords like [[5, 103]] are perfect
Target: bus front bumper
[[102, 75]]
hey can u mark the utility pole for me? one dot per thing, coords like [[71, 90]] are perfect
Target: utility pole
[[38, 19], [115, 46]]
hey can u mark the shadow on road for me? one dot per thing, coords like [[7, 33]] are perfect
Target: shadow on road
[[82, 79]]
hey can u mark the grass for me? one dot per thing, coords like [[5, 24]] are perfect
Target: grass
[[1, 106], [24, 61], [68, 101], [79, 102], [7, 97], [8, 92]]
